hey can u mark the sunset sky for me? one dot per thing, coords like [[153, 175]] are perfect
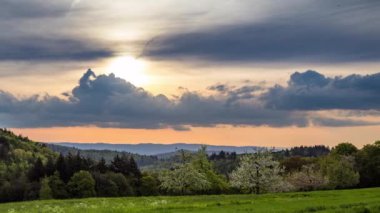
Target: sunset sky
[[224, 72]]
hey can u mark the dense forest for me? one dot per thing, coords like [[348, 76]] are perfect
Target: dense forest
[[31, 170]]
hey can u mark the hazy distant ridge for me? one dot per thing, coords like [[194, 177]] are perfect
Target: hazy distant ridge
[[156, 149]]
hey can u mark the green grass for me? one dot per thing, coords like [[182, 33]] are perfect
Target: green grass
[[358, 200]]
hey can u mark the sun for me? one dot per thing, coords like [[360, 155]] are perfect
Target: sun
[[130, 69]]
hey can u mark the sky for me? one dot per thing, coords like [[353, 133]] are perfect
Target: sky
[[224, 72]]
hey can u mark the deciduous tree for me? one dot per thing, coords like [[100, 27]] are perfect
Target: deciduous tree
[[257, 173], [81, 185], [45, 190], [184, 179]]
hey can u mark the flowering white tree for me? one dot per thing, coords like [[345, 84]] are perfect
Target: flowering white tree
[[257, 173], [309, 178], [184, 179]]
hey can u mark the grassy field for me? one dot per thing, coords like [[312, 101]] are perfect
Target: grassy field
[[359, 200]]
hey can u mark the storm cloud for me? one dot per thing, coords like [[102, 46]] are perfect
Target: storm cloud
[[109, 101]]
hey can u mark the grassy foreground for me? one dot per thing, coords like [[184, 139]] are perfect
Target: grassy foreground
[[358, 200]]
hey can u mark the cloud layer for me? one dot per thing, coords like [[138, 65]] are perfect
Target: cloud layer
[[109, 101], [248, 31], [32, 48], [37, 30], [330, 32]]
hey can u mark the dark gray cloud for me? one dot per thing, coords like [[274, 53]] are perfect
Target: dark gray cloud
[[313, 91], [234, 94], [19, 9], [38, 30], [108, 101], [331, 122], [322, 31], [50, 49]]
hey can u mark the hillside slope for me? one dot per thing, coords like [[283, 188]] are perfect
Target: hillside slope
[[18, 155], [20, 151]]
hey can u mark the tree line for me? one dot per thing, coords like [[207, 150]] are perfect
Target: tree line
[[298, 169]]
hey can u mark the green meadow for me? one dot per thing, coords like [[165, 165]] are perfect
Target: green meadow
[[357, 200]]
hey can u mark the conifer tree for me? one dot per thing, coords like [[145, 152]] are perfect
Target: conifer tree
[[101, 166], [37, 171]]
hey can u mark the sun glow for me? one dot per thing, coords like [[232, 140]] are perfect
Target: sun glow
[[130, 69]]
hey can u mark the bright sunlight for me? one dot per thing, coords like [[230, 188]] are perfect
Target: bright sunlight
[[130, 69]]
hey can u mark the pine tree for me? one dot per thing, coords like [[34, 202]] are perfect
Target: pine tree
[[4, 148], [37, 171], [121, 165], [116, 164], [134, 169], [77, 164], [102, 166], [50, 167], [70, 165], [62, 169]]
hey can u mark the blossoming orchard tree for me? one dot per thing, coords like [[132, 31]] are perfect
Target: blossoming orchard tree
[[184, 179], [257, 173]]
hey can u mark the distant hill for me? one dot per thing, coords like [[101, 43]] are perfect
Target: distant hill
[[158, 149], [108, 155]]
